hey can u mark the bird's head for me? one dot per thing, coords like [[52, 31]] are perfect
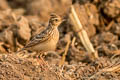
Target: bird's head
[[55, 20]]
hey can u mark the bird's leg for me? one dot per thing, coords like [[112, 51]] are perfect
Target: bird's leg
[[42, 62]]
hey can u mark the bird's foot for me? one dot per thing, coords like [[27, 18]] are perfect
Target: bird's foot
[[43, 63]]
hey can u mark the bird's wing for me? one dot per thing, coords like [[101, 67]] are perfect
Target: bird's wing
[[43, 36]]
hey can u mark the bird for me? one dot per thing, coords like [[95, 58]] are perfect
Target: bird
[[47, 39]]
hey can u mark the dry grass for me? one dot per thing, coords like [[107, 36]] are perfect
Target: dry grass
[[78, 28]]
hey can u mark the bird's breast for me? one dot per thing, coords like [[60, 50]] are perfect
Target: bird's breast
[[50, 44]]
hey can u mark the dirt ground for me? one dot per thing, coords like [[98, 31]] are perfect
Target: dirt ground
[[22, 19]]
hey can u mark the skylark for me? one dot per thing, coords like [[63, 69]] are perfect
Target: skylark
[[47, 39]]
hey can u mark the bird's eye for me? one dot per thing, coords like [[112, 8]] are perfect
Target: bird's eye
[[56, 19]]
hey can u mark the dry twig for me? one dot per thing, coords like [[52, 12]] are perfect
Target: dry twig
[[65, 53], [82, 34], [112, 68], [109, 25]]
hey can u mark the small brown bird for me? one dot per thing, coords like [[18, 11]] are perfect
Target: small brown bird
[[47, 39]]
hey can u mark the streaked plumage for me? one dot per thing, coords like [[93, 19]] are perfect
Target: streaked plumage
[[47, 39]]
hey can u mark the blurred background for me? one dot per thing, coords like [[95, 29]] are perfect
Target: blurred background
[[20, 20]]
